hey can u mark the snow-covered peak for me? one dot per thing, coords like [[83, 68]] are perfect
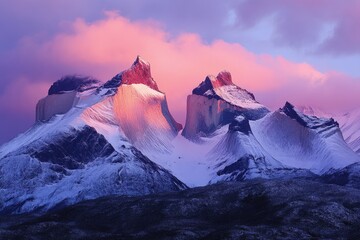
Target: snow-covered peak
[[221, 87], [302, 141], [349, 123], [239, 156], [211, 82], [215, 103], [138, 73], [325, 126], [91, 143], [131, 101]]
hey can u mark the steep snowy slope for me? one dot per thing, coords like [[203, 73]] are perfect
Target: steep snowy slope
[[239, 156], [350, 127], [215, 103], [303, 141], [141, 110], [75, 165], [349, 124], [89, 150], [143, 115]]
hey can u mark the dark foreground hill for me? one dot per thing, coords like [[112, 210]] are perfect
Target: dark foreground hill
[[268, 209]]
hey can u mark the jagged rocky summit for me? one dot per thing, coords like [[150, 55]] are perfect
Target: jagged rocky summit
[[215, 103]]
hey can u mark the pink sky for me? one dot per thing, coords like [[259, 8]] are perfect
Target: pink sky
[[179, 62]]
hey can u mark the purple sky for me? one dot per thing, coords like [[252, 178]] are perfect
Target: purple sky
[[324, 34]]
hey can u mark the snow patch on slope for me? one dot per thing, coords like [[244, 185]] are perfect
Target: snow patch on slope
[[189, 161]]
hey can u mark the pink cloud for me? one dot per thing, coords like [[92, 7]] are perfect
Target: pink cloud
[[103, 48]]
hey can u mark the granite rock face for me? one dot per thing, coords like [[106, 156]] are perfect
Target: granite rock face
[[63, 95]]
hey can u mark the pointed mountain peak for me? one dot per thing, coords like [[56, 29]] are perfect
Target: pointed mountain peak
[[141, 61], [211, 82], [139, 73], [217, 87], [224, 78], [291, 112], [288, 106], [321, 125]]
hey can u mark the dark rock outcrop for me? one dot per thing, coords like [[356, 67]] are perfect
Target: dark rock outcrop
[[71, 150], [273, 209], [320, 125], [73, 83], [240, 124], [348, 176]]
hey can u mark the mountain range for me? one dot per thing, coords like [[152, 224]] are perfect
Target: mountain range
[[93, 140]]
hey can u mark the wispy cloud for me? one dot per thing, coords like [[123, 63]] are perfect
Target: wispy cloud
[[305, 24]]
